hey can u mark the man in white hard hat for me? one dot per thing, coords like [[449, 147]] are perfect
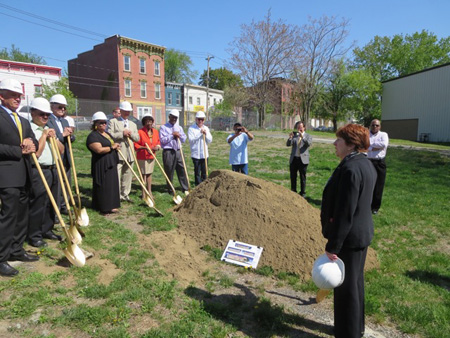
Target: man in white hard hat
[[170, 134], [42, 215], [199, 138], [122, 129], [64, 132], [17, 142]]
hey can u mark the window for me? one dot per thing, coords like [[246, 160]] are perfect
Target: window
[[214, 101], [158, 117], [127, 63], [142, 68], [143, 89], [157, 70], [198, 101], [143, 111], [190, 99], [157, 90], [37, 90], [169, 98], [178, 99], [128, 88]]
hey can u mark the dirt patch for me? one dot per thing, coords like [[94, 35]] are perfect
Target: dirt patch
[[234, 206]]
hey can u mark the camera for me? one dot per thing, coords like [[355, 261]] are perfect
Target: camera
[[239, 129], [295, 133]]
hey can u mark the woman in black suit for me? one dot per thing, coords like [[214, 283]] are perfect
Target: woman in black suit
[[347, 225]]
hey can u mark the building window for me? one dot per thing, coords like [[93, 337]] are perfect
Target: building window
[[190, 99], [198, 101], [157, 69], [127, 88], [37, 90], [169, 98], [143, 111], [178, 99], [142, 68], [214, 101], [158, 116], [127, 63], [143, 89], [157, 91]]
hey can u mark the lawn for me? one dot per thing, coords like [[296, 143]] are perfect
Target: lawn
[[129, 295]]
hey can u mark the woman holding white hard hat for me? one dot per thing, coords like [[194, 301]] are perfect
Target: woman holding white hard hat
[[347, 224]]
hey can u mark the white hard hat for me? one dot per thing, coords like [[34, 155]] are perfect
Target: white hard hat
[[125, 105], [41, 104], [174, 112], [200, 115], [58, 98], [12, 85], [99, 116], [328, 274]]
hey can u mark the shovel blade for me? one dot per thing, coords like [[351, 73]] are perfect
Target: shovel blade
[[322, 294], [75, 236], [74, 254], [83, 218], [149, 201], [177, 199]]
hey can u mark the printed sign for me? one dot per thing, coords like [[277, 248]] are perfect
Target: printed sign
[[242, 254]]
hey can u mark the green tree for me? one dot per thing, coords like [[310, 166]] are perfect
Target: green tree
[[61, 87], [15, 54], [177, 67], [220, 78]]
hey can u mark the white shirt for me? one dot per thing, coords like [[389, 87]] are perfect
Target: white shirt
[[196, 141], [378, 140]]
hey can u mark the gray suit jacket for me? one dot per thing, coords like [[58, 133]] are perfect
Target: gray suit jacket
[[115, 128], [305, 143]]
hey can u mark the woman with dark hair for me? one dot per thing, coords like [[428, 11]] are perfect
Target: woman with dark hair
[[105, 179], [147, 135], [347, 224]]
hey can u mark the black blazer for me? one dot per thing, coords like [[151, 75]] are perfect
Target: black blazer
[[346, 215], [15, 168], [51, 123]]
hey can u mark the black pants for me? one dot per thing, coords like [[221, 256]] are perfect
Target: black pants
[[298, 166], [173, 162], [349, 297], [380, 167], [199, 170], [13, 221]]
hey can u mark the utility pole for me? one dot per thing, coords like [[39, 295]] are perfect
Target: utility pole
[[207, 87]]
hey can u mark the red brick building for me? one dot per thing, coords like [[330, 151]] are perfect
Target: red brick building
[[121, 69]]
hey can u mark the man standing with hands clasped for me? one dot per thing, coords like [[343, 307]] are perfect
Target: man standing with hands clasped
[[17, 142], [379, 142], [121, 128], [199, 138], [299, 160]]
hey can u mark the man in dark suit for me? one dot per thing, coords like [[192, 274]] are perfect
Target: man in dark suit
[[17, 142], [299, 160], [58, 105]]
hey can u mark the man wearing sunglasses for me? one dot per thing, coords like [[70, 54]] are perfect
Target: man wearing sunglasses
[[379, 142], [56, 121]]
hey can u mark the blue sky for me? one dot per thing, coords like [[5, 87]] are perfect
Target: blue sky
[[199, 28]]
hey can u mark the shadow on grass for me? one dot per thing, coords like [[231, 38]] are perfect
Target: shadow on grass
[[430, 278], [256, 317]]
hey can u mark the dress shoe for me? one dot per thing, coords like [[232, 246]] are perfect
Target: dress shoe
[[7, 270], [52, 235], [38, 244], [25, 257]]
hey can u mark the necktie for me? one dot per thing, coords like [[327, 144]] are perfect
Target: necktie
[[19, 125]]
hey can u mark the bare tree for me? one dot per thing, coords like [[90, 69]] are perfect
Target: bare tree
[[263, 51], [321, 41]]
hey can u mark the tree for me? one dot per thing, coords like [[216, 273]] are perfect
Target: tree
[[263, 51], [14, 54], [220, 78], [61, 87], [177, 67], [321, 42]]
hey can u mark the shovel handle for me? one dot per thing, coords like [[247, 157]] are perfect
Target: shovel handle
[[162, 169], [184, 164]]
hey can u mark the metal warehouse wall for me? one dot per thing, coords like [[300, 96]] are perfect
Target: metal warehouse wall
[[424, 96]]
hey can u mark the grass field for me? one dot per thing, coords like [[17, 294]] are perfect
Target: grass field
[[410, 289]]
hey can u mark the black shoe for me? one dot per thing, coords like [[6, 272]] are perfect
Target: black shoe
[[25, 257], [52, 235], [38, 244], [7, 270]]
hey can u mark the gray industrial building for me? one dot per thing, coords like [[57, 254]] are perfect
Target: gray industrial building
[[416, 107]]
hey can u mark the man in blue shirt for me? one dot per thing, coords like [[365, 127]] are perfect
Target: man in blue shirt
[[238, 148]]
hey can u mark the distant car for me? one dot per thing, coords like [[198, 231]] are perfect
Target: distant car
[[131, 118], [323, 128]]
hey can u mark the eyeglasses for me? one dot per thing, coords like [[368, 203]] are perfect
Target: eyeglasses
[[62, 107], [200, 119], [101, 122], [375, 125], [43, 114]]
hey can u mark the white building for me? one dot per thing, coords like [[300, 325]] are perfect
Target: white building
[[417, 106], [195, 100], [30, 75]]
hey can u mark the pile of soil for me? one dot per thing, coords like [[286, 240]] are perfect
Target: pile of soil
[[229, 205]]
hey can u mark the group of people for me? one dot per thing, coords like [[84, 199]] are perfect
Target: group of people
[[26, 213]]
